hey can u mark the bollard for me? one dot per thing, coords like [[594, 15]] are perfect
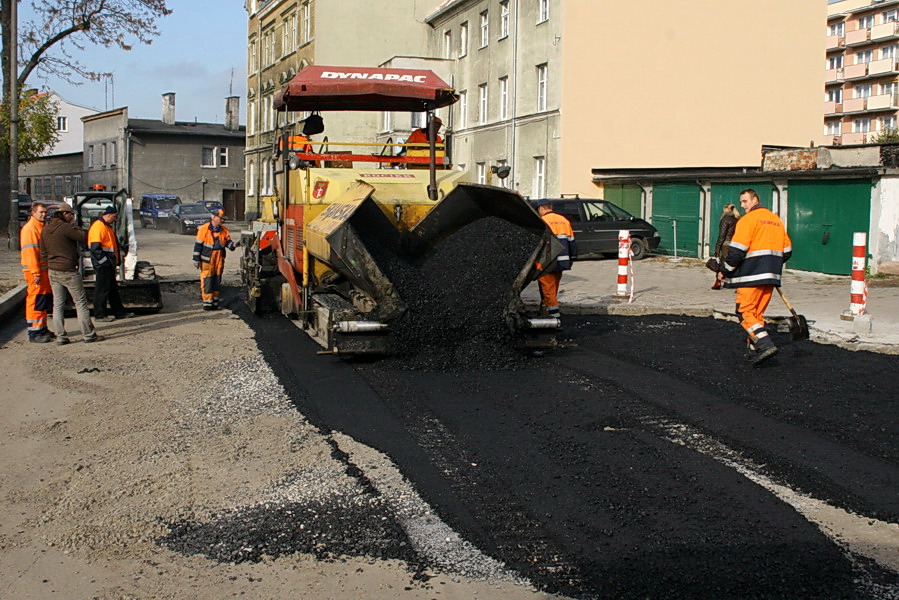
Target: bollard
[[858, 291], [624, 261]]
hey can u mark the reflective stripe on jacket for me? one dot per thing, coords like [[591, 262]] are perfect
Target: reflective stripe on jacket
[[561, 227], [30, 244], [103, 245], [757, 251], [209, 241]]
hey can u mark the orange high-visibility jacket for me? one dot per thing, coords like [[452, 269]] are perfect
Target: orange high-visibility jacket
[[209, 241], [561, 227], [296, 143], [103, 244], [758, 250], [30, 245]]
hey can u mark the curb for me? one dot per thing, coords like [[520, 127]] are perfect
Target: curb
[[12, 300]]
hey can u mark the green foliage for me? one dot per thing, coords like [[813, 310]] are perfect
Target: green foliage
[[890, 134], [37, 125]]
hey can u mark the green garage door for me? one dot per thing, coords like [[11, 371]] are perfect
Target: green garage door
[[822, 217], [628, 197], [677, 205]]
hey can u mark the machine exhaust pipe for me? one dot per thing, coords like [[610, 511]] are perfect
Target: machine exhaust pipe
[[359, 326], [545, 323]]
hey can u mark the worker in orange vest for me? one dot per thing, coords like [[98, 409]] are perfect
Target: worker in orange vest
[[552, 277], [39, 298], [420, 136], [105, 258], [209, 256]]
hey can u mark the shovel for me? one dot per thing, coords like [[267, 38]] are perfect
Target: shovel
[[797, 323]]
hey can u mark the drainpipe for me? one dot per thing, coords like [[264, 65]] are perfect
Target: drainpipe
[[646, 188], [512, 161]]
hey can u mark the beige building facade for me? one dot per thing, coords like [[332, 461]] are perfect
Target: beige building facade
[[861, 71], [556, 88]]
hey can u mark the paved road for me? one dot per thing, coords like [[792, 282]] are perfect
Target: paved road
[[639, 461]]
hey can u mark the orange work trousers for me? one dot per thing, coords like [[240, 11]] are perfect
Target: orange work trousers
[[211, 277], [751, 305], [549, 289], [38, 302]]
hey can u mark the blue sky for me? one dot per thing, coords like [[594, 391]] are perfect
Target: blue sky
[[198, 46]]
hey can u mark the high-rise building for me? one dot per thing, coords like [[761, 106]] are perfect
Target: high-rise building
[[861, 81]]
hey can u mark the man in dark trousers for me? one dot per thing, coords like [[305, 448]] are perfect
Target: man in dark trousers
[[106, 257], [60, 252], [753, 266]]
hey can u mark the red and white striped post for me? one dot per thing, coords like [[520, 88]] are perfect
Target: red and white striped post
[[858, 298], [624, 260]]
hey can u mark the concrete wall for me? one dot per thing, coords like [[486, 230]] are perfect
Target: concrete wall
[[884, 242], [702, 82], [102, 131]]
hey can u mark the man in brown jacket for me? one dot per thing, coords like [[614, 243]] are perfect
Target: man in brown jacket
[[59, 250]]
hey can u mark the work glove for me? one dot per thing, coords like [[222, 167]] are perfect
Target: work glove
[[196, 264]]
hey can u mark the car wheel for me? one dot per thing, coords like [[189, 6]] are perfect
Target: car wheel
[[638, 248]]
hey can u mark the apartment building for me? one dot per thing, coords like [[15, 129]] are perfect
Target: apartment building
[[283, 36], [556, 88], [861, 89]]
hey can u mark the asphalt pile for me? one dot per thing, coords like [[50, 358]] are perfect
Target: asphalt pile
[[457, 294]]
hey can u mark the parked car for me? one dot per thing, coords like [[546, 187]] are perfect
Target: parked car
[[185, 218], [154, 208], [596, 224], [213, 205]]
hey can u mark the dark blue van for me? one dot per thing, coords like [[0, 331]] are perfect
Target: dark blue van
[[155, 208]]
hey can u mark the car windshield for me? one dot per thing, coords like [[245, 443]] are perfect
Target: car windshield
[[166, 203], [194, 210]]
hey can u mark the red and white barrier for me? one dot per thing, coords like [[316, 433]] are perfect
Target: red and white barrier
[[858, 298], [625, 272]]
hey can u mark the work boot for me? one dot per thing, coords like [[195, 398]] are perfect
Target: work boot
[[42, 338], [62, 341], [93, 338], [105, 319], [765, 349]]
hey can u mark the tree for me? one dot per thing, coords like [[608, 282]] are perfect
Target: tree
[[59, 29], [37, 125], [890, 134]]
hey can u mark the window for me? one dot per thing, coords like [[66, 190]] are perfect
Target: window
[[57, 186], [861, 125], [838, 29], [887, 122], [251, 58], [541, 86], [835, 62], [482, 103], [888, 51], [890, 16], [251, 178], [251, 117], [307, 23], [866, 22], [889, 88], [102, 155], [862, 57], [503, 97], [223, 157], [62, 123], [832, 128], [207, 157], [835, 95], [539, 188], [463, 108], [113, 153], [266, 186], [543, 11], [463, 39], [418, 120], [863, 90], [485, 29], [447, 44], [385, 121], [90, 156], [482, 173], [504, 19]]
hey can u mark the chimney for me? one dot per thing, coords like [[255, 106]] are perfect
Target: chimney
[[168, 108], [232, 113]]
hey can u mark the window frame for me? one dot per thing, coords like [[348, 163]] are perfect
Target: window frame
[[542, 87], [463, 39], [543, 11], [504, 97], [539, 181], [484, 21], [503, 19], [483, 104], [203, 155]]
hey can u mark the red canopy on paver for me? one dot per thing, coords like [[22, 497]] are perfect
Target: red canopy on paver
[[318, 88]]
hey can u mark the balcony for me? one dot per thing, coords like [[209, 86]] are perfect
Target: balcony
[[855, 105], [883, 102], [858, 37], [885, 31], [856, 71], [856, 138], [834, 75], [884, 65], [833, 108], [836, 41], [831, 140]]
